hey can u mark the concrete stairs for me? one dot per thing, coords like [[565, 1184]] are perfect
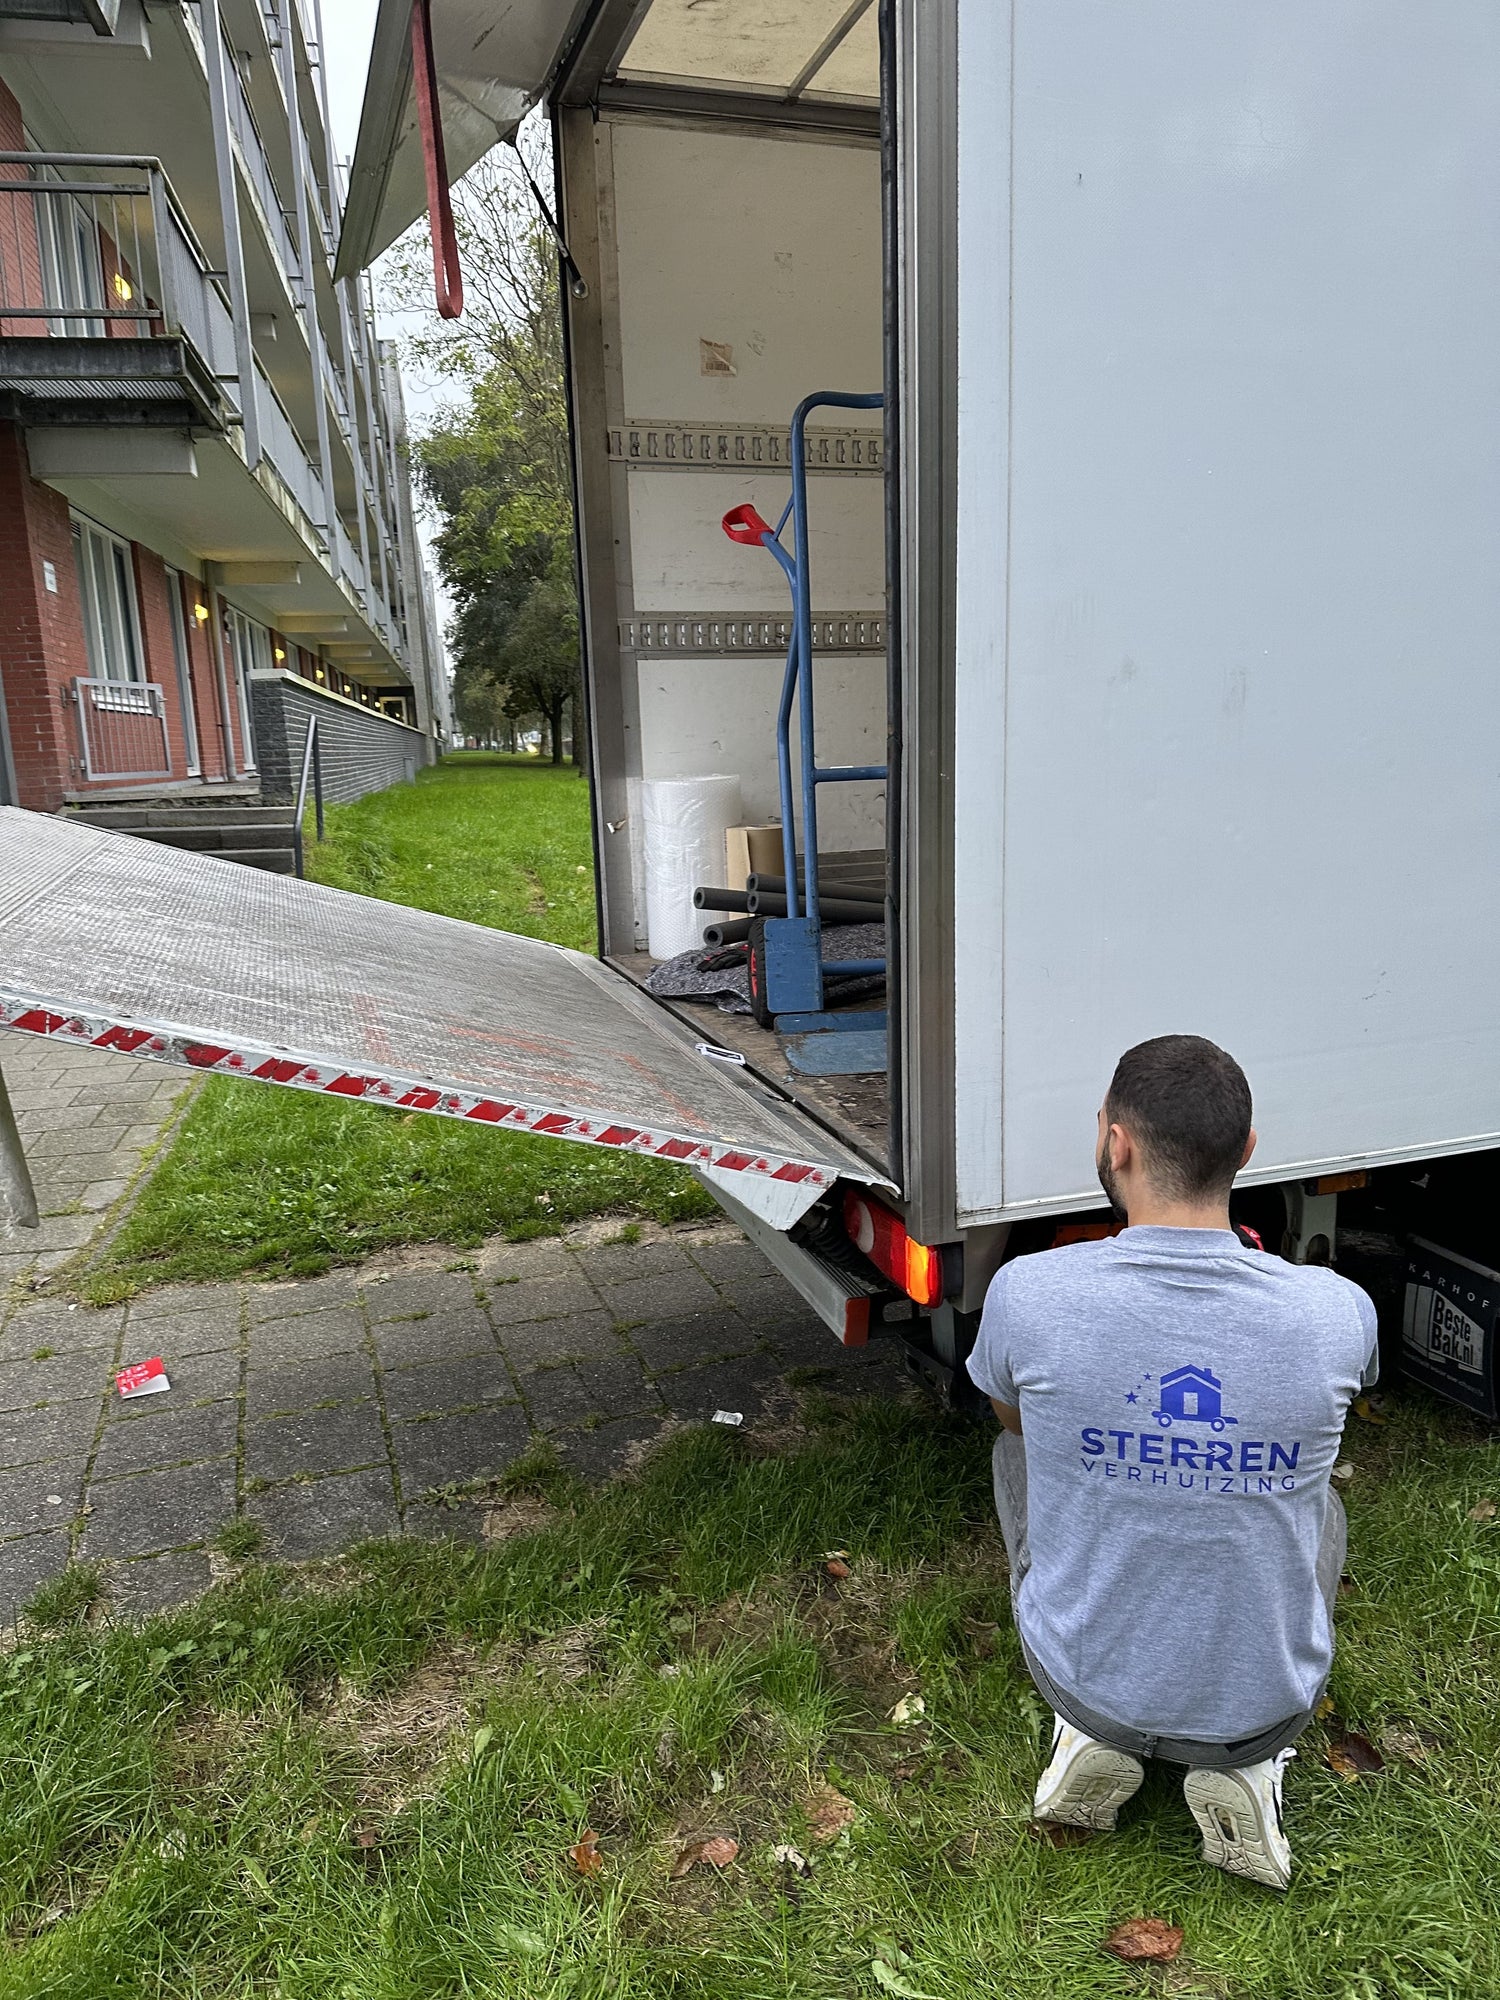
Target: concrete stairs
[[259, 836]]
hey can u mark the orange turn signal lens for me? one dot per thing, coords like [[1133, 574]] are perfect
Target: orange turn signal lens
[[881, 1234]]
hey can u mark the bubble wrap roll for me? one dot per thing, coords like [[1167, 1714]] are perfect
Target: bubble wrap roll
[[684, 822]]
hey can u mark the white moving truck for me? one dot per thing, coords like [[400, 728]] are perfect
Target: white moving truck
[[1165, 587]]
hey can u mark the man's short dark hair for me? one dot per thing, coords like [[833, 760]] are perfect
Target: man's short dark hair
[[1187, 1104]]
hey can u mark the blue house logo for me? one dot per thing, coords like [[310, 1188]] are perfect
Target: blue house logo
[[1191, 1396]]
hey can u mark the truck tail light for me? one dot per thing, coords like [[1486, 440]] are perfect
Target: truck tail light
[[916, 1267]]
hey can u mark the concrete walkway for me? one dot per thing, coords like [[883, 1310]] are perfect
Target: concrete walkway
[[372, 1401]]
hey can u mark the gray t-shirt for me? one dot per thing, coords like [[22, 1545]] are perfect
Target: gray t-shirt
[[1181, 1401]]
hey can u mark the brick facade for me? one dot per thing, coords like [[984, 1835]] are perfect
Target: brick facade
[[41, 630], [43, 649]]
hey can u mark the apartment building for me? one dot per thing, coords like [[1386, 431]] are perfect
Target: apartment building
[[206, 532]]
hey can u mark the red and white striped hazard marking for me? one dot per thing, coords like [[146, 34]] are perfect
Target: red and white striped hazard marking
[[41, 1017]]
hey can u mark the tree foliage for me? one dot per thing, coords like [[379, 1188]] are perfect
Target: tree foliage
[[495, 462]]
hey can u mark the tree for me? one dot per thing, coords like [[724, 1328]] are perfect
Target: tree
[[495, 462]]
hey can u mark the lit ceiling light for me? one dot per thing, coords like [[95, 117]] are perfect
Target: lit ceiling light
[[200, 612], [280, 652], [123, 288]]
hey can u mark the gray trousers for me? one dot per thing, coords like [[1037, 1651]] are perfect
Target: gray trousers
[[1010, 1505]]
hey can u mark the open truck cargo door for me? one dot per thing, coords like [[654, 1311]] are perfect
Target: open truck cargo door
[[181, 958], [492, 60]]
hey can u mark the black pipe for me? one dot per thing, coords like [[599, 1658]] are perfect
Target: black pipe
[[831, 909], [734, 931], [829, 883], [757, 903]]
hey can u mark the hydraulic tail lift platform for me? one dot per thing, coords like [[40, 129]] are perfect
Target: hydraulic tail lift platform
[[181, 958]]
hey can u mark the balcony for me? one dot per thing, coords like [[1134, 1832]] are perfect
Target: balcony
[[108, 311], [118, 355]]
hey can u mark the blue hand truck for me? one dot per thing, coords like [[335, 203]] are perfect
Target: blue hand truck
[[795, 969]]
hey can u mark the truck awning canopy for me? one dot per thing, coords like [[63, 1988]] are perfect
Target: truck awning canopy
[[181, 958], [495, 60]]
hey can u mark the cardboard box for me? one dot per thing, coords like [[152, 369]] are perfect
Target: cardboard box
[[751, 850]]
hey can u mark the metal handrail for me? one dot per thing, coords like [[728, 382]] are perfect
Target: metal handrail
[[312, 766]]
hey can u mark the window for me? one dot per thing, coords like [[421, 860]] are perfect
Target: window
[[106, 586], [250, 649], [72, 269], [177, 610]]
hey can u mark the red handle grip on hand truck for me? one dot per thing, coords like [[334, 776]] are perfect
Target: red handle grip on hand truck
[[743, 524]]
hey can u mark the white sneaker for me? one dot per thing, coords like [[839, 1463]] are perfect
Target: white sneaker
[[1087, 1781], [1239, 1816]]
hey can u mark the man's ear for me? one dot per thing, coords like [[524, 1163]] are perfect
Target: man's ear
[[1249, 1149], [1121, 1148]]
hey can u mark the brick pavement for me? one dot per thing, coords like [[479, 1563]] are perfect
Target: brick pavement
[[363, 1402], [87, 1117]]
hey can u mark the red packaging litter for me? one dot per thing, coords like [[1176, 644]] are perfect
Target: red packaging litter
[[143, 1378]]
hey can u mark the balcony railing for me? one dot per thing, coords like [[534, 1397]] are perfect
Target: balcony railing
[[96, 247], [122, 729]]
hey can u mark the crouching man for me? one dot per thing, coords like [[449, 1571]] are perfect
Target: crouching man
[[1171, 1402]]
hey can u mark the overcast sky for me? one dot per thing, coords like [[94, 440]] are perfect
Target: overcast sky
[[347, 28]]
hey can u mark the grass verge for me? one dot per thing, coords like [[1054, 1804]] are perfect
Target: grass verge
[[364, 1779], [277, 1183]]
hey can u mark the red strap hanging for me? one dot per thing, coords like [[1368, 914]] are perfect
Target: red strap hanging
[[447, 272]]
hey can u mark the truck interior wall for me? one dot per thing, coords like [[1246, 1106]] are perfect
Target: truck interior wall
[[756, 252], [1229, 428]]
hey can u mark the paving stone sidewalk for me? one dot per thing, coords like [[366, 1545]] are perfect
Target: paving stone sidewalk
[[363, 1402], [87, 1117]]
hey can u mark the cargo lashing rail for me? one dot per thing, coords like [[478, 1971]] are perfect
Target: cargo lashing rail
[[794, 967]]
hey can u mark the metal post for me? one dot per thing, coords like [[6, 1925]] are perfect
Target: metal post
[[373, 432], [161, 224], [17, 1195], [216, 642], [229, 213], [301, 171]]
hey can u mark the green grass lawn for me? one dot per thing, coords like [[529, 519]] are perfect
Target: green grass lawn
[[275, 1182], [361, 1781]]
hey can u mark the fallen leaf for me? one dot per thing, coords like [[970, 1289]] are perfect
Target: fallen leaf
[[828, 1813], [788, 1857], [718, 1852], [1353, 1755], [1482, 1510], [717, 1781], [256, 1876], [1368, 1409], [1343, 1472], [835, 1555], [585, 1856], [838, 1568], [909, 1709], [886, 1975], [526, 1942], [483, 1739], [1055, 1834], [1324, 1707], [1409, 1744], [1145, 1940]]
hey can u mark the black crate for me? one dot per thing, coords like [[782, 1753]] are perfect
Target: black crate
[[1448, 1336]]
